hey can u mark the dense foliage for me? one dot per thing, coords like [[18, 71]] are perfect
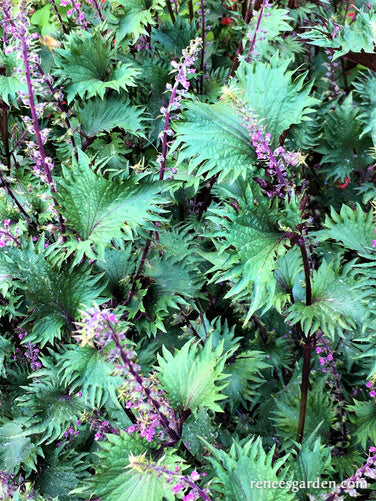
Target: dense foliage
[[187, 263]]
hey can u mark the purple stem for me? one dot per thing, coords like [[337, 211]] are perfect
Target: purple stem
[[5, 140], [191, 12], [166, 124], [11, 236], [139, 271], [202, 59], [355, 478], [248, 14], [34, 116], [59, 17], [341, 400], [307, 347], [98, 10], [170, 11], [164, 421], [181, 478], [259, 17], [307, 275], [78, 12], [61, 108]]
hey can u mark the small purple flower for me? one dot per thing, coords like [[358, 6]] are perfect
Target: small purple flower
[[372, 393], [194, 476], [112, 318], [131, 429], [329, 357], [369, 384], [372, 449], [322, 361], [177, 488], [97, 436], [189, 497], [318, 349]]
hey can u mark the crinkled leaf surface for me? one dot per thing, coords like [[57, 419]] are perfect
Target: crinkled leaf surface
[[271, 94], [16, 448], [236, 470], [338, 302], [138, 14], [54, 295], [256, 240], [352, 227], [215, 140], [363, 416], [98, 209], [85, 62], [113, 481], [245, 376], [86, 367], [54, 407], [104, 114], [193, 376], [342, 143]]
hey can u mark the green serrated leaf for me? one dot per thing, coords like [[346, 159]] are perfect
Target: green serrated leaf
[[54, 295], [16, 448], [85, 63], [272, 96], [193, 376], [239, 471], [54, 408], [100, 210], [85, 367], [256, 240], [114, 481], [215, 140], [352, 227], [138, 14], [245, 377], [104, 114], [337, 302], [363, 419], [342, 143]]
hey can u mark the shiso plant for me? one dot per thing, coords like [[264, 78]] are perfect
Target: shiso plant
[[187, 250]]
